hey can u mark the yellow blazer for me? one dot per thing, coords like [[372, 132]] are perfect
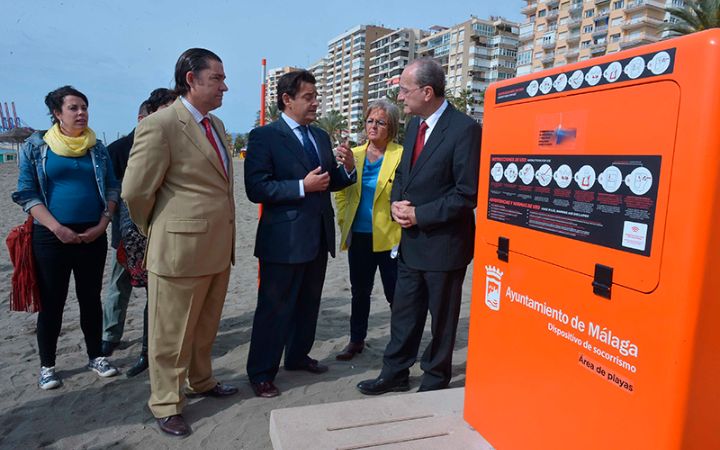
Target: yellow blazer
[[386, 232], [178, 195]]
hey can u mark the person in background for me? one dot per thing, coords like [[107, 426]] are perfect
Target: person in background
[[179, 192], [133, 242], [117, 294], [433, 196], [66, 182], [367, 230]]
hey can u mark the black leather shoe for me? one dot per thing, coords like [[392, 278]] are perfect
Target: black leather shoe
[[140, 366], [312, 366], [265, 389], [379, 386], [107, 348], [350, 350], [220, 390], [174, 425]]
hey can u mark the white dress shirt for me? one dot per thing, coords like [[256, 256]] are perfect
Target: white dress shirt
[[433, 118]]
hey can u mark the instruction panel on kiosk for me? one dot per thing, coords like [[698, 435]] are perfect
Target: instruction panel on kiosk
[[607, 200]]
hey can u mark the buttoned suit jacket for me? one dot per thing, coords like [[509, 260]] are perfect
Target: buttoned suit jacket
[[178, 195], [291, 227], [442, 185]]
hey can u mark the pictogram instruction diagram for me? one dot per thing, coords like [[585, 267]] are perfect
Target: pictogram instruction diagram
[[607, 200]]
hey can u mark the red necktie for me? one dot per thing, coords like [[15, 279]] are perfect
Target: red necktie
[[419, 141], [208, 132]]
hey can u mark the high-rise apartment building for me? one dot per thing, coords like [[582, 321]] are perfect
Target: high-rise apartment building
[[388, 57], [273, 75], [474, 54], [318, 71], [558, 32], [345, 85]]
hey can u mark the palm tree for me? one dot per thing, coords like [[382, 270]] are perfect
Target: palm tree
[[463, 100], [696, 15], [272, 113], [334, 124]]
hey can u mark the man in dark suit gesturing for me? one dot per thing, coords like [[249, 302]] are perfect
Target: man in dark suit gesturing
[[291, 170], [433, 197]]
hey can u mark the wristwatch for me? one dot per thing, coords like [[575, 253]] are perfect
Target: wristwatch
[[107, 214]]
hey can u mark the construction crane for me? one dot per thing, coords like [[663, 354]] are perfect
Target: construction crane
[[8, 122]]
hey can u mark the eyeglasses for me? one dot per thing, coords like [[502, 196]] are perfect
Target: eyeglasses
[[405, 91], [380, 123]]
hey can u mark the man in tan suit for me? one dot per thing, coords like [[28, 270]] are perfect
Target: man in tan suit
[[179, 190]]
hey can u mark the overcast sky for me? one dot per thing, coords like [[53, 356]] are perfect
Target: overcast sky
[[116, 52]]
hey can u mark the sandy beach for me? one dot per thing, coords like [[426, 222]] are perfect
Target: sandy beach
[[90, 412]]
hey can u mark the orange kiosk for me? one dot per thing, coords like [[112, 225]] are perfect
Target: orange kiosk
[[595, 318]]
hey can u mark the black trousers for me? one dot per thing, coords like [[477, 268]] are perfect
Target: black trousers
[[286, 315], [363, 265], [416, 293], [54, 261]]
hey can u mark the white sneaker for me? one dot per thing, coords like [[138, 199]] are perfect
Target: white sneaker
[[102, 367], [48, 378]]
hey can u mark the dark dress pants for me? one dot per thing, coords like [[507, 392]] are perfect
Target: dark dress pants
[[286, 315], [364, 262], [416, 293], [54, 262]]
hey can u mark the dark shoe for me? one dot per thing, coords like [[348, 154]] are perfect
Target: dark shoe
[[350, 350], [312, 366], [430, 388], [174, 425], [140, 366], [220, 390], [107, 348], [265, 389], [379, 386]]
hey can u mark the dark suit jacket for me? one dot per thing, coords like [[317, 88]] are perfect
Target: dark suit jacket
[[119, 152], [290, 226], [442, 185]]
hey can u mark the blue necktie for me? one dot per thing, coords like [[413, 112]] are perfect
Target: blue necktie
[[308, 147]]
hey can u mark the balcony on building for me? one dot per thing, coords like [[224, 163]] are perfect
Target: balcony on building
[[552, 3], [605, 15], [642, 22], [552, 14], [576, 8], [549, 58], [637, 39], [574, 22], [525, 37], [638, 5], [599, 32], [601, 2], [572, 38], [529, 9], [572, 54], [598, 48], [549, 45]]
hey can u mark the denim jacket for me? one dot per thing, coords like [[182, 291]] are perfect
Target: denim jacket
[[32, 179]]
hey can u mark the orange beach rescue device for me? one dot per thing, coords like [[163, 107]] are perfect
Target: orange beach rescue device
[[595, 318]]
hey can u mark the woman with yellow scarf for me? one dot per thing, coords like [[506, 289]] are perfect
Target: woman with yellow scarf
[[67, 184]]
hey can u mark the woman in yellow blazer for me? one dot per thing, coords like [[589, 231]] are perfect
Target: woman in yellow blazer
[[366, 226]]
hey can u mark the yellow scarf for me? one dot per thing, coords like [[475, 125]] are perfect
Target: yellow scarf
[[73, 147]]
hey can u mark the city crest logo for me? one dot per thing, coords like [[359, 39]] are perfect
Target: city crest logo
[[493, 287]]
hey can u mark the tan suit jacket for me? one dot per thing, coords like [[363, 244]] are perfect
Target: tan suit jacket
[[178, 195]]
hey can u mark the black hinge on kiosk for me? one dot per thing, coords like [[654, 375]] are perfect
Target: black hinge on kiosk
[[602, 282], [503, 250]]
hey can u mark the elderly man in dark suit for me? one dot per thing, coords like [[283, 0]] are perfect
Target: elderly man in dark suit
[[433, 197], [290, 169]]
